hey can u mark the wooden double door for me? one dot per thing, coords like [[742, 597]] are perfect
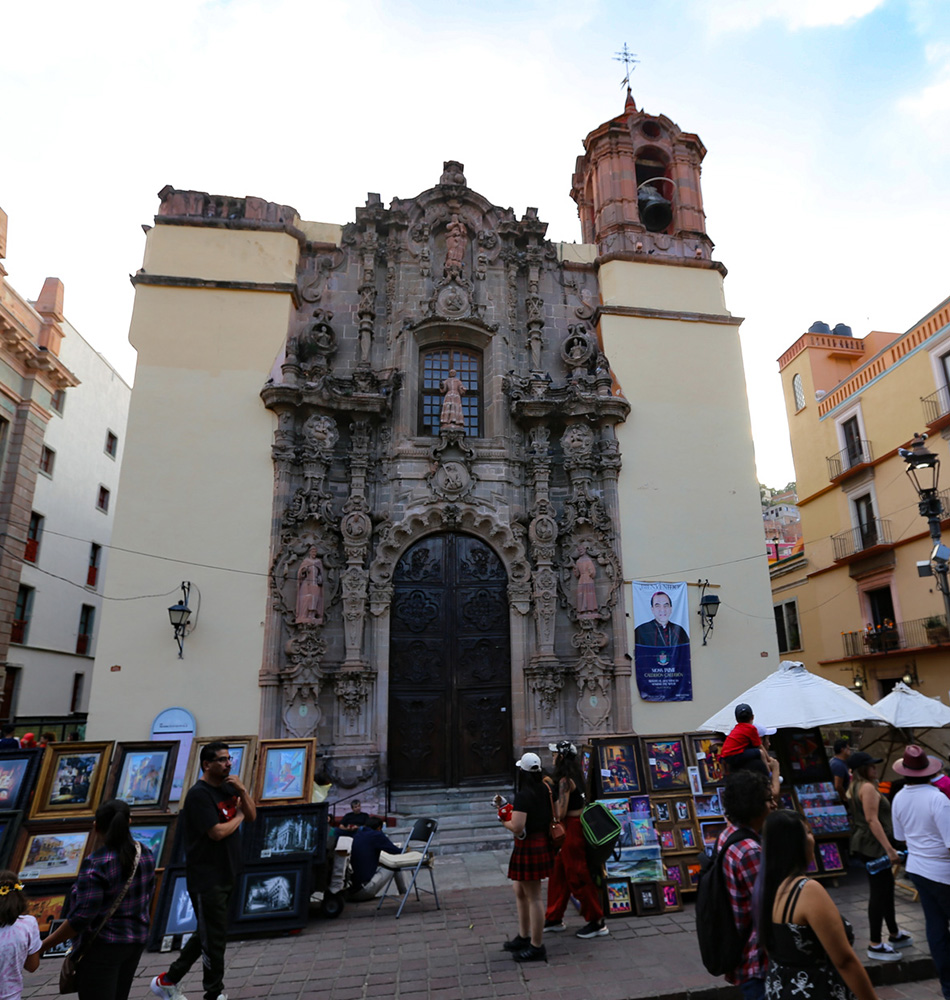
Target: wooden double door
[[449, 665]]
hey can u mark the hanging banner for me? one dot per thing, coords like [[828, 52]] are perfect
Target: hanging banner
[[661, 637]]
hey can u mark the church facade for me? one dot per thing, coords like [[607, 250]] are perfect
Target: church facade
[[391, 459]]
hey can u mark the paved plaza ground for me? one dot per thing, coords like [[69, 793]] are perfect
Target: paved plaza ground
[[455, 953]]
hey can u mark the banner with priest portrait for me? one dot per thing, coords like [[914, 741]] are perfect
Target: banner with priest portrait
[[661, 641]]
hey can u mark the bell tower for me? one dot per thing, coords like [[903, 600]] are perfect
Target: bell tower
[[637, 188]]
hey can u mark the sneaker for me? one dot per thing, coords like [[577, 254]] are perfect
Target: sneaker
[[900, 940], [883, 952], [596, 928], [517, 943], [531, 954], [168, 990], [555, 926]]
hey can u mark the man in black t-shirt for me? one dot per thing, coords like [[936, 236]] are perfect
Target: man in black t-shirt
[[354, 819], [215, 807]]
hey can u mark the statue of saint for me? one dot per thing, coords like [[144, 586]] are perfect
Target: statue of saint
[[456, 237], [310, 590], [585, 569], [453, 390]]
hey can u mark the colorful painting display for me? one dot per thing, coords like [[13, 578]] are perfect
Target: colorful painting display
[[666, 763], [142, 774], [619, 902], [50, 854], [619, 768], [803, 754], [821, 806], [71, 780], [830, 857], [285, 771], [17, 775], [706, 752]]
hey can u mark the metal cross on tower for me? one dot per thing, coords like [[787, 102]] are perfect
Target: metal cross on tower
[[629, 60]]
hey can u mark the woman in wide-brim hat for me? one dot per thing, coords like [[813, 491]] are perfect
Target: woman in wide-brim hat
[[532, 857], [873, 836]]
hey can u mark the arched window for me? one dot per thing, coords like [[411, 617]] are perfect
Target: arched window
[[799, 392], [436, 364]]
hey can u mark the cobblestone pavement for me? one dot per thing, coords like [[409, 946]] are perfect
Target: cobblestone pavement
[[455, 953]]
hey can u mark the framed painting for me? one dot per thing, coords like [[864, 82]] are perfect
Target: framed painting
[[47, 852], [710, 832], [687, 837], [829, 856], [801, 753], [156, 833], [142, 774], [821, 806], [288, 833], [663, 811], [18, 770], [674, 873], [706, 752], [9, 827], [707, 806], [243, 750], [619, 901], [619, 768], [271, 897], [647, 898], [665, 759], [692, 872], [45, 901], [61, 949], [681, 809], [667, 840], [71, 780], [284, 772], [174, 916], [671, 900]]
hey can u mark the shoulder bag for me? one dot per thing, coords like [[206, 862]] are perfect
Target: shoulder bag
[[556, 831], [67, 974]]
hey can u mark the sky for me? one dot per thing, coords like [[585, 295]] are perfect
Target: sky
[[827, 125]]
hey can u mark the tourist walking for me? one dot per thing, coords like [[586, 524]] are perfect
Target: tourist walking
[[532, 857], [215, 807], [107, 909], [571, 873], [20, 946], [921, 814], [808, 942], [871, 838]]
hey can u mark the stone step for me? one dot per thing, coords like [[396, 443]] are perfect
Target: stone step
[[467, 820]]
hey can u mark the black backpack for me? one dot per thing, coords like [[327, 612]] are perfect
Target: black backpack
[[720, 943]]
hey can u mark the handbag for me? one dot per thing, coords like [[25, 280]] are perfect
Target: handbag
[[67, 972], [556, 831]]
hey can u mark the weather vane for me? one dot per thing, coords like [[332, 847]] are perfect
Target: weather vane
[[629, 60]]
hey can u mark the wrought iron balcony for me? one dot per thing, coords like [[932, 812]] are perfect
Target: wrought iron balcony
[[913, 634], [936, 406], [856, 454], [866, 536]]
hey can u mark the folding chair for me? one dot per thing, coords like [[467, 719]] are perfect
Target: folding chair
[[423, 830]]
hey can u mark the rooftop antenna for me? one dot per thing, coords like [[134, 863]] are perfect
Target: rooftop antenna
[[629, 60]]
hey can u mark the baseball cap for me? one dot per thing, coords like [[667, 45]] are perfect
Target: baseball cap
[[862, 759], [765, 730], [743, 712], [530, 762]]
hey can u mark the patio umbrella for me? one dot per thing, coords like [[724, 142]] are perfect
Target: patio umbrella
[[794, 697], [909, 709]]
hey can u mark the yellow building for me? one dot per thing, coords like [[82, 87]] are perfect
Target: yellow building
[[854, 604], [411, 465]]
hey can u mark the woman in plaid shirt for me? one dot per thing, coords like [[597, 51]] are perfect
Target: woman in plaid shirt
[[107, 965]]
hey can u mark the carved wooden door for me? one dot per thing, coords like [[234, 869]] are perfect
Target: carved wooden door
[[449, 665]]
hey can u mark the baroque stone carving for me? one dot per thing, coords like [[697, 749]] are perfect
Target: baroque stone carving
[[352, 689]]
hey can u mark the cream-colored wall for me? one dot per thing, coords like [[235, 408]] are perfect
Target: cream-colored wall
[[811, 469], [690, 505], [196, 489]]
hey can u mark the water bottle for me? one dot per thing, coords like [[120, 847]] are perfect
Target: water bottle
[[879, 864]]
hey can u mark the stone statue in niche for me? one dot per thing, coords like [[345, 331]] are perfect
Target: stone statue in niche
[[456, 238], [453, 390], [585, 569], [310, 590]]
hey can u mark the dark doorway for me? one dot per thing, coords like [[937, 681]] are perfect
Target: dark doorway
[[449, 665]]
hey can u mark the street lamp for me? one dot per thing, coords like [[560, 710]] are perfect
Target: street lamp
[[179, 615], [923, 470]]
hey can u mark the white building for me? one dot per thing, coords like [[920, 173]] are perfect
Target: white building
[[61, 583]]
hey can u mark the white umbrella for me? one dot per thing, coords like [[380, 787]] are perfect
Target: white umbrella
[[909, 709], [793, 697]]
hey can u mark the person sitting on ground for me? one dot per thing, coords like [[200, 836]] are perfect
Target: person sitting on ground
[[369, 842], [354, 819], [742, 748]]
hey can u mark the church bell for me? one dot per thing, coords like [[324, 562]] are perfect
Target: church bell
[[656, 212]]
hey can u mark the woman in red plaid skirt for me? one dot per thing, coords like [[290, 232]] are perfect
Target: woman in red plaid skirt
[[532, 858]]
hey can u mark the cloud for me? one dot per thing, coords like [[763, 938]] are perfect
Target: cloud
[[929, 108], [745, 15]]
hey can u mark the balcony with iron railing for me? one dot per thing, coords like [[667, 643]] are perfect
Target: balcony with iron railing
[[849, 460], [936, 408], [858, 542], [914, 634]]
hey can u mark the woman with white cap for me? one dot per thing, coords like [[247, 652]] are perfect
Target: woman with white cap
[[871, 838], [532, 857], [922, 819]]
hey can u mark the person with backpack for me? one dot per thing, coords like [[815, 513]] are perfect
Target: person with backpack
[[731, 948]]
